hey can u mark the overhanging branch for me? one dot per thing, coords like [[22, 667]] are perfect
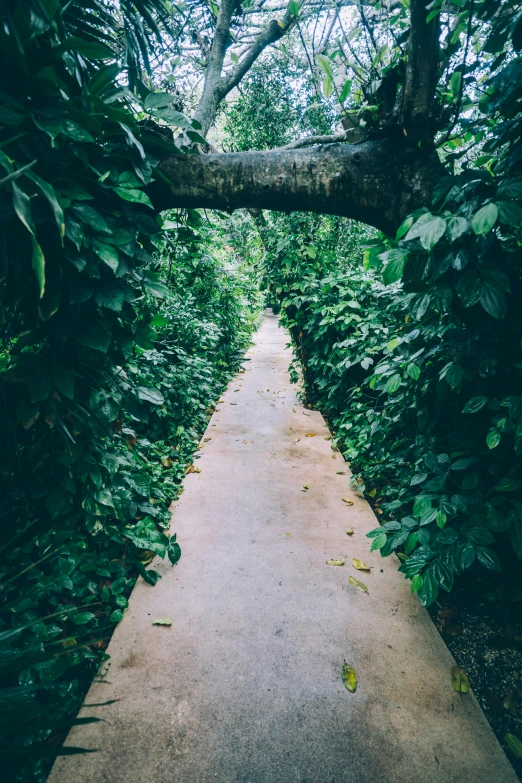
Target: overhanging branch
[[376, 182]]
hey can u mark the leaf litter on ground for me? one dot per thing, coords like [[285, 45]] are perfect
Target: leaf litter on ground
[[162, 621], [334, 562], [349, 678], [459, 680], [360, 565], [359, 585]]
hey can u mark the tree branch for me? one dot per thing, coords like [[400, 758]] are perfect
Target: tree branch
[[421, 74], [376, 182], [207, 107], [269, 35], [308, 141]]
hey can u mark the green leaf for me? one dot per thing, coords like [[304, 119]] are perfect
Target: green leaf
[[488, 558], [379, 541], [484, 220], [413, 371], [493, 439], [134, 195], [394, 270], [416, 583], [326, 66], [349, 678], [38, 264], [345, 92], [328, 87], [82, 618], [107, 253], [454, 375], [421, 505], [293, 7], [394, 383], [150, 394], [428, 231], [459, 680], [474, 404], [493, 301], [509, 213], [514, 745], [93, 50], [429, 590]]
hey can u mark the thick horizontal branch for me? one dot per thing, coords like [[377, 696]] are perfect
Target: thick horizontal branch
[[377, 182]]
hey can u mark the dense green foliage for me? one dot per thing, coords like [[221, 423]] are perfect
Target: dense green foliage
[[118, 332], [422, 381]]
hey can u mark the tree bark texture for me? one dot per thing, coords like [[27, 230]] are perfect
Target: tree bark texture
[[377, 182]]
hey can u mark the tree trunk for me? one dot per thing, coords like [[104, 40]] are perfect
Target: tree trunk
[[376, 182]]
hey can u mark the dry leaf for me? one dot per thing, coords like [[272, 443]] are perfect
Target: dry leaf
[[340, 473], [328, 437], [349, 678], [359, 565], [236, 390], [297, 440], [244, 441], [310, 435], [349, 532], [336, 562], [459, 680], [359, 585], [347, 501], [162, 621], [206, 440], [305, 487]]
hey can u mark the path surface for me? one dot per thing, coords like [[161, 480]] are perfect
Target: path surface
[[245, 687]]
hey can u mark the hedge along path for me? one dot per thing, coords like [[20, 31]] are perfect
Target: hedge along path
[[250, 682]]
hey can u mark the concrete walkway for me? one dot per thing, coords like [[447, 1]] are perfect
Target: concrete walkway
[[245, 687]]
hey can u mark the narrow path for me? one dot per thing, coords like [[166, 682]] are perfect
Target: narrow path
[[245, 687]]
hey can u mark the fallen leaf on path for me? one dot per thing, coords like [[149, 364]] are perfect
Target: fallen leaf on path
[[328, 437], [206, 440], [359, 565], [459, 680], [297, 440], [192, 469], [349, 532], [287, 535], [162, 621], [347, 501], [340, 473], [310, 435], [221, 400], [244, 441], [236, 390], [349, 678], [335, 562], [359, 585], [305, 487], [514, 745]]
